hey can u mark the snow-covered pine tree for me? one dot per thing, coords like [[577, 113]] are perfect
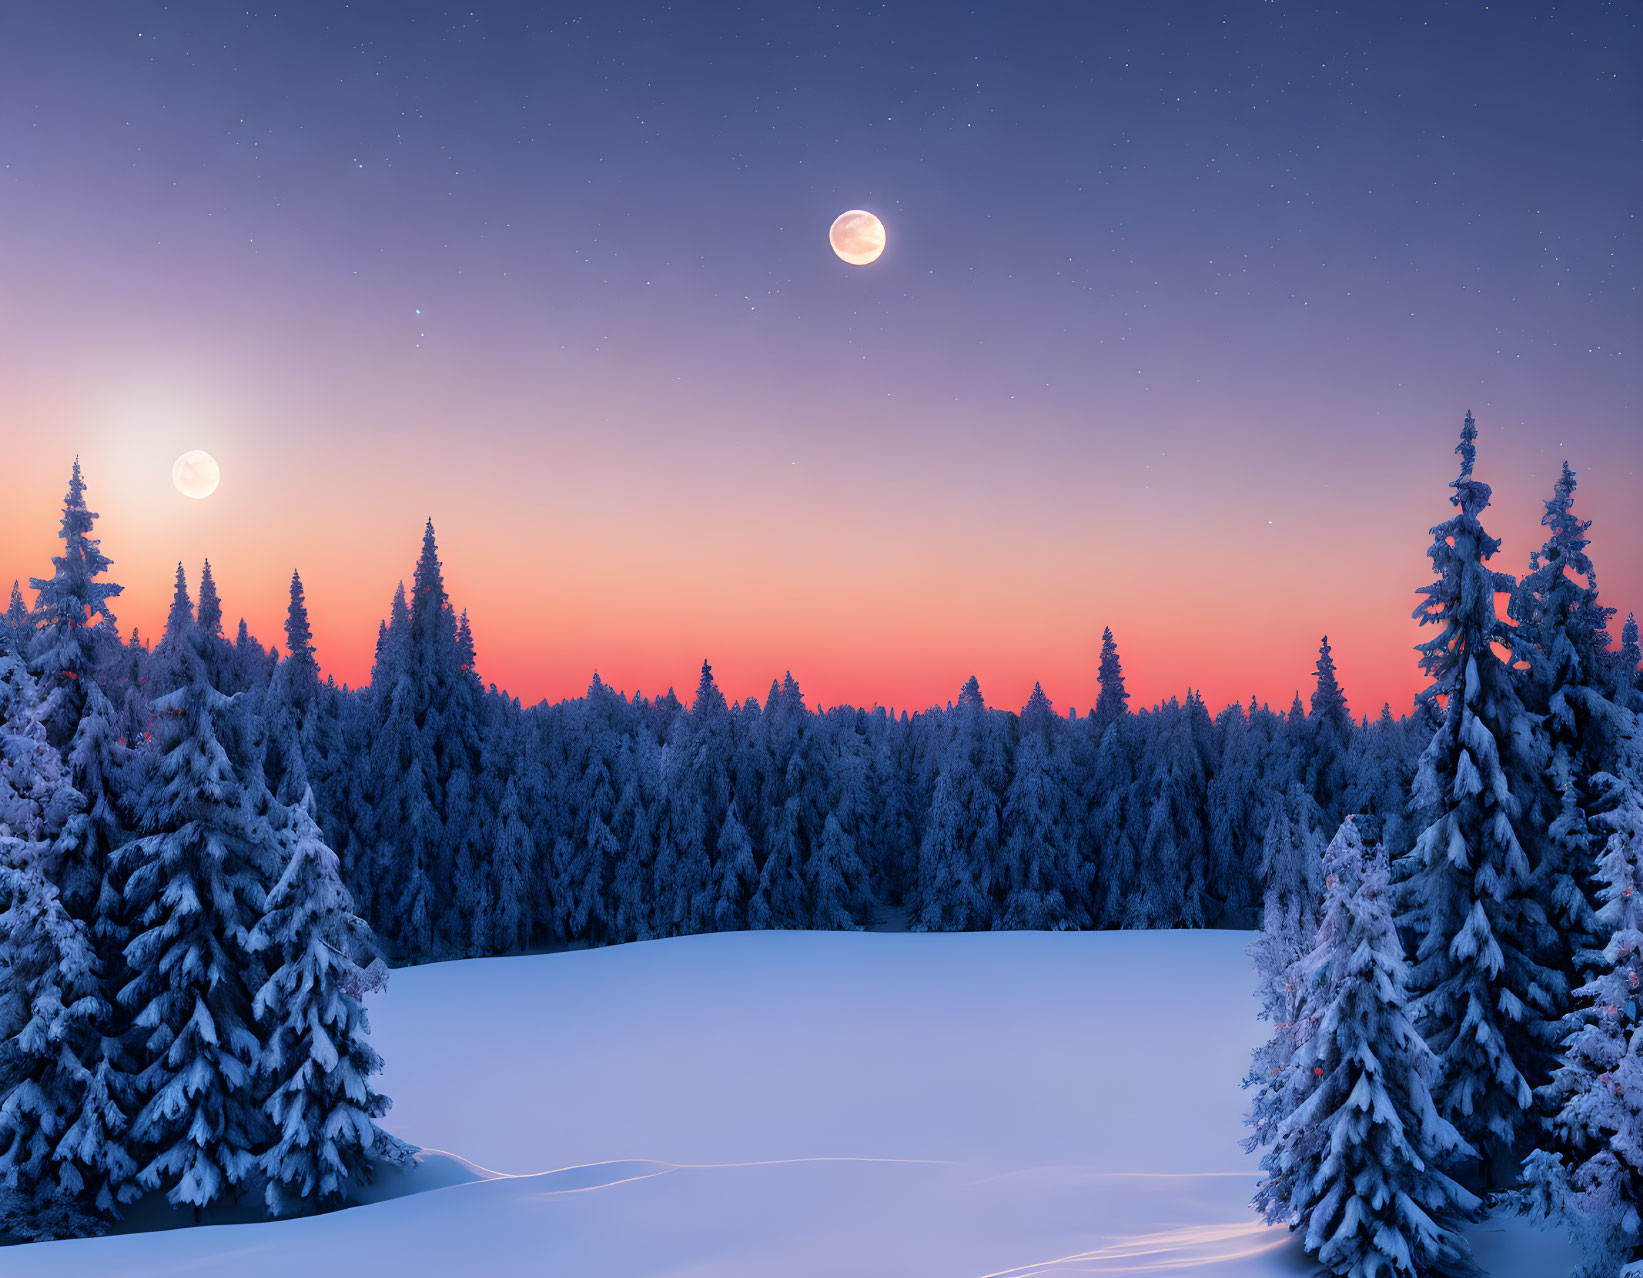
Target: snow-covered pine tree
[[637, 777], [37, 799], [737, 875], [444, 744], [1112, 800], [1113, 701], [214, 647], [1231, 792], [1174, 842], [836, 875], [510, 874], [73, 617], [1590, 1180], [167, 663], [895, 831], [961, 833], [1363, 1153], [796, 812], [250, 665], [317, 1063], [836, 879], [52, 1016], [699, 789], [1483, 1003], [1626, 681], [1293, 862], [1328, 738], [380, 784], [1562, 635], [16, 626], [1041, 883], [1379, 774], [297, 753], [590, 853], [195, 886], [101, 768]]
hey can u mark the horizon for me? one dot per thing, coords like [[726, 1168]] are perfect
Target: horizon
[[265, 622]]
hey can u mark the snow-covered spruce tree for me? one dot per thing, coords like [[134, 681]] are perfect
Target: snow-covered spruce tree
[[316, 1065], [1113, 701], [636, 776], [1112, 804], [1174, 843], [796, 807], [1234, 847], [213, 647], [1562, 635], [736, 875], [1328, 739], [53, 1078], [16, 625], [1294, 861], [1041, 883], [836, 876], [102, 770], [1590, 1180], [508, 926], [298, 727], [588, 854], [37, 799], [414, 794], [195, 886], [895, 824], [961, 833], [75, 624], [380, 783], [167, 662], [1626, 681], [1379, 779], [1364, 1152], [836, 879], [445, 743], [698, 784], [1483, 1003]]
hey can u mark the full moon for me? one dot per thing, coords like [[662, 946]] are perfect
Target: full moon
[[196, 474], [857, 237]]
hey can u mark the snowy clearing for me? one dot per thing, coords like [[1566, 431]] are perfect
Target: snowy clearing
[[744, 1105]]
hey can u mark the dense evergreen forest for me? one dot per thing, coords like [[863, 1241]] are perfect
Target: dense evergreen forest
[[208, 851], [466, 823]]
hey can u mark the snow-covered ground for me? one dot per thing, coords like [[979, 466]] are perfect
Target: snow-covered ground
[[780, 1104]]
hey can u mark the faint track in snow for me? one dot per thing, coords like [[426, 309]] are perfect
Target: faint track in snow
[[626, 1171], [1184, 1247], [1075, 1172]]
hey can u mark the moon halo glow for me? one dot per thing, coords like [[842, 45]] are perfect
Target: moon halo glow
[[857, 237], [196, 474]]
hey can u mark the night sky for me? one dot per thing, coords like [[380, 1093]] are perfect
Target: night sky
[[1181, 309]]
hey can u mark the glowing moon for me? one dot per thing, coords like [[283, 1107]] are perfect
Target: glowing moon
[[857, 237], [196, 474]]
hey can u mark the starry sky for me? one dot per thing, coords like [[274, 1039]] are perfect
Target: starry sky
[[1181, 308]]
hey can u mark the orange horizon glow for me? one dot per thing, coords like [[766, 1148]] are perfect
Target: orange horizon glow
[[857, 618]]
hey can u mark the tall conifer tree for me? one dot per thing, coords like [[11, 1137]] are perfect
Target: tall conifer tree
[[73, 617], [1113, 701], [1484, 1004]]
